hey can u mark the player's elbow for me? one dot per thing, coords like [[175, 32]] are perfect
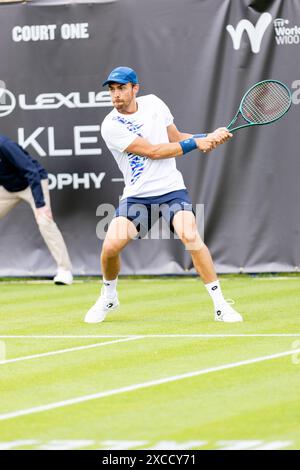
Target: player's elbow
[[153, 153]]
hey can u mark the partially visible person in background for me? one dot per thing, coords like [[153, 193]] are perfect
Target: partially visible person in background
[[23, 179]]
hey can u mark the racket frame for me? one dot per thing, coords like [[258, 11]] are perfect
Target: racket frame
[[239, 111]]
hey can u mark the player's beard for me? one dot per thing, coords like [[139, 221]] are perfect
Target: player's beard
[[123, 105], [119, 105]]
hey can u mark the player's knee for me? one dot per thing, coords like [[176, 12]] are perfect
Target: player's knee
[[189, 237], [110, 249], [192, 240]]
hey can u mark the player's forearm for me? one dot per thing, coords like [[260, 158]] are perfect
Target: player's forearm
[[144, 148], [202, 142], [184, 135], [161, 151], [176, 136]]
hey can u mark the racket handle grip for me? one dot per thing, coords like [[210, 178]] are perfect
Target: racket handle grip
[[198, 136]]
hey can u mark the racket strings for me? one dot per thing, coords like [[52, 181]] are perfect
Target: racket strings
[[266, 102]]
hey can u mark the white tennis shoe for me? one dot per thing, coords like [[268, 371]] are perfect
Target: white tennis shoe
[[226, 313], [63, 277], [99, 310]]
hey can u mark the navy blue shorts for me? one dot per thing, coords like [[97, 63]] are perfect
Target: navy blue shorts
[[144, 212]]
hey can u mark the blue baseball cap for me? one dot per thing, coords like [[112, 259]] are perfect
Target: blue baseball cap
[[122, 75]]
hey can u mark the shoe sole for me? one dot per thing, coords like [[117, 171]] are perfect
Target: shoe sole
[[224, 321], [59, 283], [100, 321]]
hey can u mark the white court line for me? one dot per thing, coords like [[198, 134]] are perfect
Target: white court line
[[196, 335], [41, 281], [63, 351], [274, 445], [131, 388]]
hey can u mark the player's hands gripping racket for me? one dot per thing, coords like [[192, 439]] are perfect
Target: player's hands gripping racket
[[210, 141]]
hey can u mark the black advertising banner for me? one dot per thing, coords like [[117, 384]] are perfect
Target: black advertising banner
[[199, 56]]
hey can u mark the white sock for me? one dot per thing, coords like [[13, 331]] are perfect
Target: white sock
[[110, 288], [214, 290]]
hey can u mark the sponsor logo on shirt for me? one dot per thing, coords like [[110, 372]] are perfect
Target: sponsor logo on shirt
[[130, 125], [136, 162]]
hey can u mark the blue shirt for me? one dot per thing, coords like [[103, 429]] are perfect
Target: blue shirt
[[18, 170]]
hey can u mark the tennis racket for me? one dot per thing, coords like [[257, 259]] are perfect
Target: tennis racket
[[264, 103]]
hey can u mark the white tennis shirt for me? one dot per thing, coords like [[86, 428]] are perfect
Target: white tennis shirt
[[143, 177]]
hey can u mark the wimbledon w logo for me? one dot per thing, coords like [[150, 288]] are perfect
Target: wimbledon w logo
[[255, 33]]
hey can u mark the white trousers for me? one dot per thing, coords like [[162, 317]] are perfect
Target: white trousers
[[48, 228]]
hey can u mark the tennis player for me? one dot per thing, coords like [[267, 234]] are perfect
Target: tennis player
[[141, 135], [23, 179]]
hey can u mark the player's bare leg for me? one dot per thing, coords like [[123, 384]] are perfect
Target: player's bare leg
[[120, 232], [184, 224]]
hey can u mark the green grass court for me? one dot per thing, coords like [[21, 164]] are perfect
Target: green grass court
[[158, 374]]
